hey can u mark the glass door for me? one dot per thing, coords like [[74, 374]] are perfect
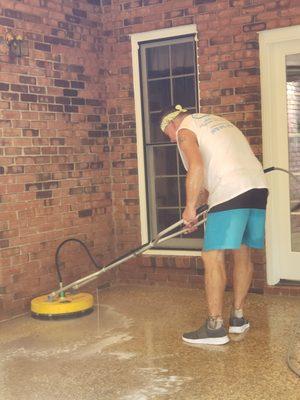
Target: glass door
[[280, 84], [292, 62]]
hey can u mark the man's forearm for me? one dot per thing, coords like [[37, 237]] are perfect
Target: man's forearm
[[194, 187], [203, 197]]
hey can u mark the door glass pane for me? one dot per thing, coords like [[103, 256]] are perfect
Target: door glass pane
[[293, 114], [295, 227], [294, 151], [158, 62]]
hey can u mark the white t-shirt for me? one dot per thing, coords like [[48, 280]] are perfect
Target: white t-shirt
[[230, 166]]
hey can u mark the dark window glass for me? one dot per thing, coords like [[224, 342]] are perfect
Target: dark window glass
[[167, 217], [184, 91], [159, 93], [158, 62], [182, 190], [183, 59], [182, 170], [167, 192], [168, 78], [155, 132], [165, 160]]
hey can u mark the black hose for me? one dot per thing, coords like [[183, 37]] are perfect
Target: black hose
[[201, 209], [295, 177], [283, 170], [57, 263], [266, 170]]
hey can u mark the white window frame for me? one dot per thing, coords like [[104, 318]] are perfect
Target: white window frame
[[137, 38]]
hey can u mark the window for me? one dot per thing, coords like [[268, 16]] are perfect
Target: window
[[167, 75]]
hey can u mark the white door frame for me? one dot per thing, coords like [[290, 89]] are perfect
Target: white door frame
[[274, 124]]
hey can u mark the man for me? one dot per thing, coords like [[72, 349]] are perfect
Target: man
[[220, 163]]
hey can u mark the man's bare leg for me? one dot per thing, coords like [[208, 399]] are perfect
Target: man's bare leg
[[242, 275], [213, 331], [215, 280]]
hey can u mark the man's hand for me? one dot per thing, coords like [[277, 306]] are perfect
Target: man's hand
[[190, 218]]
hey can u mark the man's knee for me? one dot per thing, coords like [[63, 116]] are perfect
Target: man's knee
[[213, 258], [242, 255]]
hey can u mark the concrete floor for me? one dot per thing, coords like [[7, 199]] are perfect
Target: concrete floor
[[130, 348]]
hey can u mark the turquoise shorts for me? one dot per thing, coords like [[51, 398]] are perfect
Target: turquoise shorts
[[231, 228]]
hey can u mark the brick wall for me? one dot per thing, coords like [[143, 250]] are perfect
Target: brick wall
[[229, 86], [54, 160], [68, 146]]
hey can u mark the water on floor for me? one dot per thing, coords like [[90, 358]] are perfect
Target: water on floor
[[130, 348]]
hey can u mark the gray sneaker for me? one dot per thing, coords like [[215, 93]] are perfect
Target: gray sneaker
[[238, 325], [205, 335]]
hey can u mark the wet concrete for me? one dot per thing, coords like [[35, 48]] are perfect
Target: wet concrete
[[130, 348]]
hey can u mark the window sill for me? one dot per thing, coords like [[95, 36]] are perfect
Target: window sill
[[170, 252]]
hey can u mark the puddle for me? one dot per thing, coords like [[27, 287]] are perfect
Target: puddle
[[84, 337], [157, 382]]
